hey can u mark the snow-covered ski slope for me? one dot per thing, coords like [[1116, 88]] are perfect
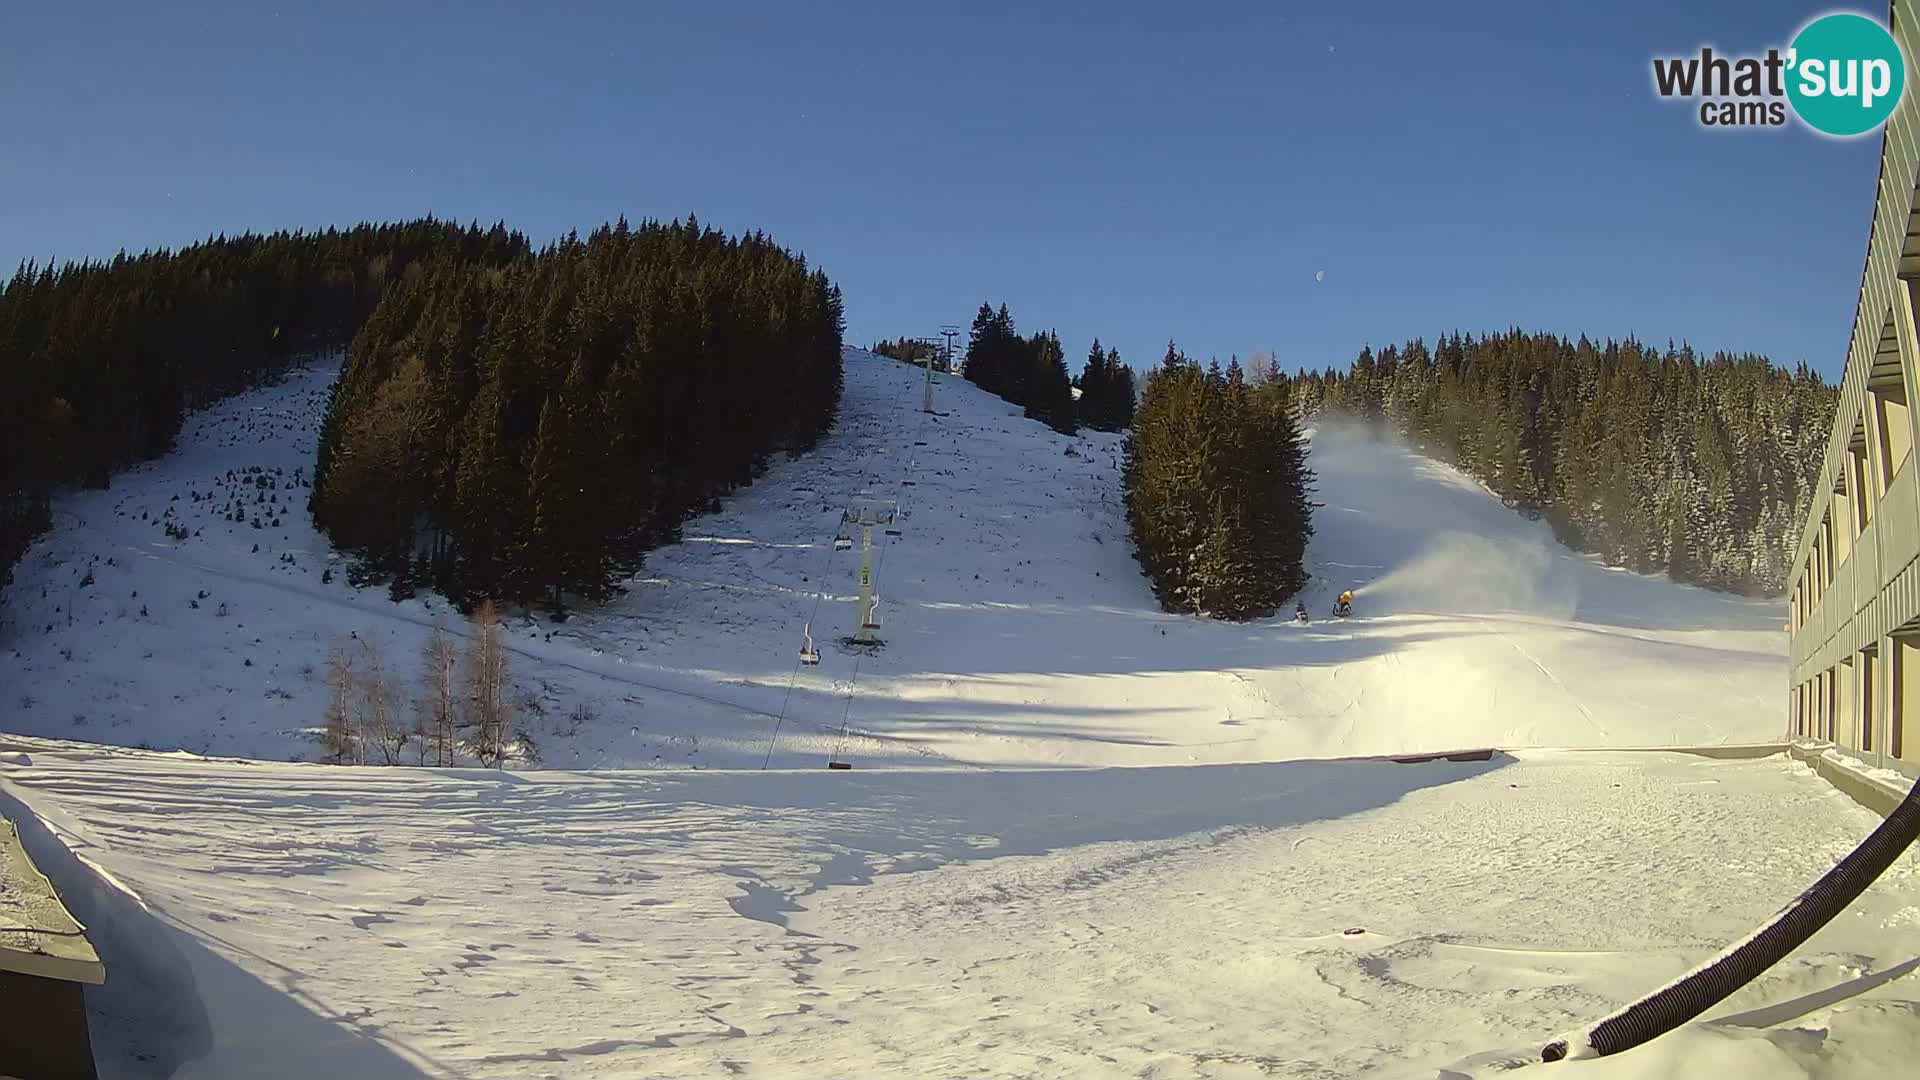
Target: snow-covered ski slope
[[918, 916], [1018, 629]]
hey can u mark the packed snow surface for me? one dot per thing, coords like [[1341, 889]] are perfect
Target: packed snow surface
[[1018, 628], [1314, 919]]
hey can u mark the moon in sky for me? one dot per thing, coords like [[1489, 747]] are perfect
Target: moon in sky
[[1319, 276]]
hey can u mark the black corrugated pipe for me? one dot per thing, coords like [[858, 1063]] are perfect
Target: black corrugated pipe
[[1699, 990]]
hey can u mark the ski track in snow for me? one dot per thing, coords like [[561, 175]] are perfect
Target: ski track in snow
[[980, 896]]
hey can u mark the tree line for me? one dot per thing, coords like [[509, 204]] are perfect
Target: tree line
[[1028, 371], [909, 350], [1217, 489], [1106, 391], [1656, 459], [100, 361], [526, 432]]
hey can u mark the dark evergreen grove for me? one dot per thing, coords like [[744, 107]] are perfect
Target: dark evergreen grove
[[529, 431], [1106, 391], [101, 361], [1657, 460], [1217, 490], [1028, 371]]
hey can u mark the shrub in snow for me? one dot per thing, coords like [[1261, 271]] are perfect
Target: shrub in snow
[[526, 749]]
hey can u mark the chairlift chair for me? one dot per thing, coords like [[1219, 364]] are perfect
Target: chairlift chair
[[808, 654]]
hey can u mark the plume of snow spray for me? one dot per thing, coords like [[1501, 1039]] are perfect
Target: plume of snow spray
[[1464, 573]]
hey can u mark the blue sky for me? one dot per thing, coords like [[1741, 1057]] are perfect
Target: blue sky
[[1135, 171]]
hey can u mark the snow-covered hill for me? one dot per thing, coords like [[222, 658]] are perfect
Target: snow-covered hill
[[1220, 912], [1018, 629]]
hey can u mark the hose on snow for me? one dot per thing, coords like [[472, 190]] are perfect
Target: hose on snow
[[1706, 985]]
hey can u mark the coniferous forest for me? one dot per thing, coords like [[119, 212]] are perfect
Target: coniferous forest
[[1217, 490], [1028, 371], [1106, 391], [101, 361], [527, 431], [1656, 460]]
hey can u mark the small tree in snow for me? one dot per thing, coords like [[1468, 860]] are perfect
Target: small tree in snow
[[439, 712], [380, 706], [338, 735], [489, 704]]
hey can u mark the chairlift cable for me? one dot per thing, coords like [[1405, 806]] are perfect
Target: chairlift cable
[[819, 594]]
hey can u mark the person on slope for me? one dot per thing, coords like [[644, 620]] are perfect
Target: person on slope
[[1300, 613], [1343, 607]]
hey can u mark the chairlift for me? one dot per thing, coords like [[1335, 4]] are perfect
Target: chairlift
[[842, 542], [808, 654], [872, 621]]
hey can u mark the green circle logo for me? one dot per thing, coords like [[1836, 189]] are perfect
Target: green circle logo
[[1845, 74]]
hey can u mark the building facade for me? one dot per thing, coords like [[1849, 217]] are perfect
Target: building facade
[[1854, 607]]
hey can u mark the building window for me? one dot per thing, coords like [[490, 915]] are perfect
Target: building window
[[1901, 668], [1844, 529], [1868, 696], [1895, 430], [1822, 703], [1860, 479]]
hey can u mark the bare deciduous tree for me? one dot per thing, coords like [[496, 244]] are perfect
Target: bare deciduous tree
[[1263, 368], [489, 702], [380, 706], [439, 704], [339, 736]]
